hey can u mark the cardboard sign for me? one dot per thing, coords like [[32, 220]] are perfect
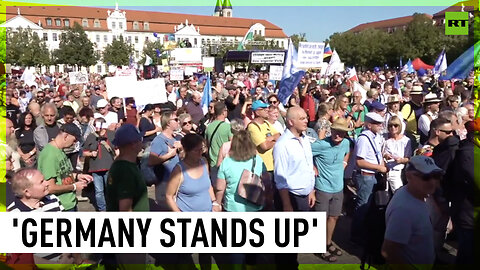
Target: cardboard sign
[[176, 75], [144, 92], [310, 54], [190, 70], [276, 73]]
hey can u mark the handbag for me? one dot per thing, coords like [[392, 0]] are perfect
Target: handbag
[[251, 186]]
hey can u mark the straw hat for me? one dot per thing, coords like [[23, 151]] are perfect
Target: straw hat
[[392, 99], [431, 98], [341, 124]]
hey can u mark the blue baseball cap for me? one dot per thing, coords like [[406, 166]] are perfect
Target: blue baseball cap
[[258, 104], [127, 134], [377, 106]]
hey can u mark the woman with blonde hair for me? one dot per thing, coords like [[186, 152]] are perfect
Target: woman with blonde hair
[[397, 151], [235, 126]]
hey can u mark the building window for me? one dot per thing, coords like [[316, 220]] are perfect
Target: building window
[[54, 37], [66, 22], [136, 39], [146, 39], [114, 25], [45, 36], [105, 38], [49, 22], [85, 22], [203, 41], [120, 25], [146, 26], [97, 38], [99, 68], [129, 39], [135, 25], [228, 13], [96, 23], [58, 22], [195, 41], [137, 54], [282, 43]]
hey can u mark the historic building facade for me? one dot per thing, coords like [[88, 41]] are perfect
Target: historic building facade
[[137, 27]]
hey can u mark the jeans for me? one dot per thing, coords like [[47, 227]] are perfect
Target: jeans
[[364, 185], [100, 181]]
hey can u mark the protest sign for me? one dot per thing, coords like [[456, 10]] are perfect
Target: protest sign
[[144, 92], [176, 74], [208, 64], [190, 70], [129, 72], [267, 57], [276, 73], [310, 54], [187, 55], [78, 77]]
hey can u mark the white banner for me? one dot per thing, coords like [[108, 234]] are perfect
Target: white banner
[[78, 77], [144, 92], [276, 73], [267, 57], [310, 54], [168, 232], [128, 72], [187, 55], [190, 70], [208, 62], [176, 75]]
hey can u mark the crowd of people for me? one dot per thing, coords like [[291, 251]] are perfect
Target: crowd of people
[[331, 137]]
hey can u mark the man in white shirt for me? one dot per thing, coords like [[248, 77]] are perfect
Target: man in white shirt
[[111, 118], [431, 105]]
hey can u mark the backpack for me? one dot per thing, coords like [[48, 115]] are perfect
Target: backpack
[[375, 229]]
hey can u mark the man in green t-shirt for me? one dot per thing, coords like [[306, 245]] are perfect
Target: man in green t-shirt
[[57, 168], [217, 133], [126, 190]]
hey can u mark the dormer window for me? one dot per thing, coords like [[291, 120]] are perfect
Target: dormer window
[[96, 23], [49, 21], [146, 26], [135, 25], [84, 22], [58, 22], [66, 22]]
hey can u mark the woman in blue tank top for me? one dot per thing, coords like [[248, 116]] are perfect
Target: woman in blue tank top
[[189, 188]]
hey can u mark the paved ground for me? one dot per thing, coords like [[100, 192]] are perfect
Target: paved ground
[[351, 252]]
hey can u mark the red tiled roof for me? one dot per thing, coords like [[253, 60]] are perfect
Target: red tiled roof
[[395, 22], [161, 22], [441, 14]]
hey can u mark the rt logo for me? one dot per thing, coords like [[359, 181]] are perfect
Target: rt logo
[[456, 23]]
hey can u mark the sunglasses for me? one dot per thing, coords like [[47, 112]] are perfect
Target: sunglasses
[[57, 100], [393, 125], [448, 132], [187, 123], [273, 101]]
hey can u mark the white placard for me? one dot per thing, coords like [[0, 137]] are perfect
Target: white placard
[[176, 75], [187, 55], [208, 62], [276, 73], [190, 70], [78, 77], [310, 54], [170, 232], [267, 57], [128, 72], [144, 92]]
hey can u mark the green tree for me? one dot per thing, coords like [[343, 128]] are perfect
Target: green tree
[[150, 48], [75, 48], [297, 38], [25, 48], [118, 52]]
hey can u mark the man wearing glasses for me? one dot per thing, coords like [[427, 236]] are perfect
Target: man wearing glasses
[[111, 118], [409, 231]]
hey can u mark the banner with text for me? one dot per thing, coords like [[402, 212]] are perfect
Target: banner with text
[[276, 73], [267, 57], [144, 92]]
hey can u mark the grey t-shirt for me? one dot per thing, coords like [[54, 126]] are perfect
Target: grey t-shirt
[[408, 223]]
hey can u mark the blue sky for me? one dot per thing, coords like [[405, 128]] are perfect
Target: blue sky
[[317, 22]]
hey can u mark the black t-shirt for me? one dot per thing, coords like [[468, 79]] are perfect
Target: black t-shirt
[[144, 126], [52, 131], [12, 113], [234, 111], [25, 140]]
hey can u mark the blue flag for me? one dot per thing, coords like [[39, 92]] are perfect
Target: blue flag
[[401, 62], [396, 84], [441, 63], [461, 67], [207, 95], [291, 75]]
